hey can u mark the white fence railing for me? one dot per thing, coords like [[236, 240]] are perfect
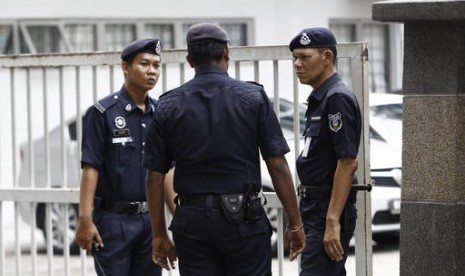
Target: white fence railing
[[42, 97]]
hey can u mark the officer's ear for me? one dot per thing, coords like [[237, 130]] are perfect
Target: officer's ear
[[189, 60], [328, 56], [226, 53], [124, 67]]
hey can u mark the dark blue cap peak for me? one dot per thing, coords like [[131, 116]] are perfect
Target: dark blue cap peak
[[148, 45], [313, 38], [206, 31]]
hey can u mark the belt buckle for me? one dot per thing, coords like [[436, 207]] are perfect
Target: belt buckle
[[142, 207], [301, 191]]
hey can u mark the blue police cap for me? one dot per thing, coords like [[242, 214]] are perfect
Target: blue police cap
[[313, 38], [148, 45], [206, 31]]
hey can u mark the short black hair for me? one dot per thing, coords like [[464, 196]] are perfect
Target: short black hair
[[206, 52]]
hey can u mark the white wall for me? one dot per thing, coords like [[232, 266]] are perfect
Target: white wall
[[275, 21]]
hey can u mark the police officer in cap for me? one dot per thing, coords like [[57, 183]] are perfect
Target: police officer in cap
[[213, 127], [328, 162], [113, 211]]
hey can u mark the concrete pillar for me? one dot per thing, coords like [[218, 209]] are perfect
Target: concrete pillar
[[432, 239]]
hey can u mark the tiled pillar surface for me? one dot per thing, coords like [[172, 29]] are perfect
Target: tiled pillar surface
[[433, 167]]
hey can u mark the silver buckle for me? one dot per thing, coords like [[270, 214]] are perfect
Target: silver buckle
[[142, 207]]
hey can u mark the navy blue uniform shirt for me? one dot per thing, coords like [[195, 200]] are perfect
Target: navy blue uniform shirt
[[212, 127], [333, 131], [114, 132]]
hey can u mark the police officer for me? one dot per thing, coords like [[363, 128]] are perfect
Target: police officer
[[113, 210], [327, 163], [213, 127]]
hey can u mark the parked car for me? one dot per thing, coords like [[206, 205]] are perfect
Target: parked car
[[385, 161]]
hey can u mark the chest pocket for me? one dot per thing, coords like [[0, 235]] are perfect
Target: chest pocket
[[314, 129], [126, 153]]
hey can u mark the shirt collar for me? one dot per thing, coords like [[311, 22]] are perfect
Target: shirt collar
[[128, 104], [321, 91], [210, 69]]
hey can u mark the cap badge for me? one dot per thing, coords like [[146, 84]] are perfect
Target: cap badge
[[335, 121], [305, 40], [128, 107], [120, 122], [158, 48]]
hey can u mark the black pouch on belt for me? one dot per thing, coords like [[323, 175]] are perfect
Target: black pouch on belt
[[233, 207]]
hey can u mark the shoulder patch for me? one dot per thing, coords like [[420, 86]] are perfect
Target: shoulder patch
[[107, 102]]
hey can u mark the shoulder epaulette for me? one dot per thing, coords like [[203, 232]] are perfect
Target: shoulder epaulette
[[106, 102], [256, 83]]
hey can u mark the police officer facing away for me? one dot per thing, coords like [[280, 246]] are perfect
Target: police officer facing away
[[113, 210], [213, 127], [327, 163]]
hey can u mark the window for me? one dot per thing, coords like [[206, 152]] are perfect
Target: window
[[82, 37], [119, 35], [6, 40], [162, 31], [111, 34], [380, 56], [46, 39]]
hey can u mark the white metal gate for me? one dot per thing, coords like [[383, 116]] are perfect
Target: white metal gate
[[42, 95]]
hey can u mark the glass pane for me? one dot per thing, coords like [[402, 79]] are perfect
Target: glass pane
[[6, 40], [164, 32], [344, 33], [46, 39], [237, 33], [119, 36], [81, 37], [377, 37]]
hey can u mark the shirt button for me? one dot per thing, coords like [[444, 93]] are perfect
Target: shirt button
[[143, 125], [115, 96], [143, 143]]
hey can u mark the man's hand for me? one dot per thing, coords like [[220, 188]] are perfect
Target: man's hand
[[295, 240], [87, 233], [163, 253], [332, 240]]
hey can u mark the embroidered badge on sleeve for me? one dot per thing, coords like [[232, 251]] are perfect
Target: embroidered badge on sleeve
[[335, 121]]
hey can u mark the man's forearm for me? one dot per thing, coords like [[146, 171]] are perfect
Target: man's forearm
[[154, 188], [284, 187], [342, 184]]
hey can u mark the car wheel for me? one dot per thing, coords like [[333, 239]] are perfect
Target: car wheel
[[58, 225], [272, 214]]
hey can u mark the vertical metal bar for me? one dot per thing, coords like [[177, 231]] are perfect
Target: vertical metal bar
[[363, 246], [14, 166], [182, 72], [78, 150], [94, 83], [164, 78], [2, 246], [31, 170], [64, 176], [256, 73], [295, 89], [112, 78], [237, 67], [48, 221]]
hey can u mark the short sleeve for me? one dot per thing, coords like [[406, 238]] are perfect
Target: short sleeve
[[344, 125], [157, 156], [270, 136], [93, 138]]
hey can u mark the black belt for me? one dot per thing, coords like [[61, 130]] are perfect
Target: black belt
[[313, 192], [198, 200], [321, 193], [125, 207]]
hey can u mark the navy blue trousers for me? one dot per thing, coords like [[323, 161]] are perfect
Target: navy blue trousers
[[207, 244], [128, 245], [314, 260]]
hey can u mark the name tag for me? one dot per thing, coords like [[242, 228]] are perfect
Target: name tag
[[122, 140]]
